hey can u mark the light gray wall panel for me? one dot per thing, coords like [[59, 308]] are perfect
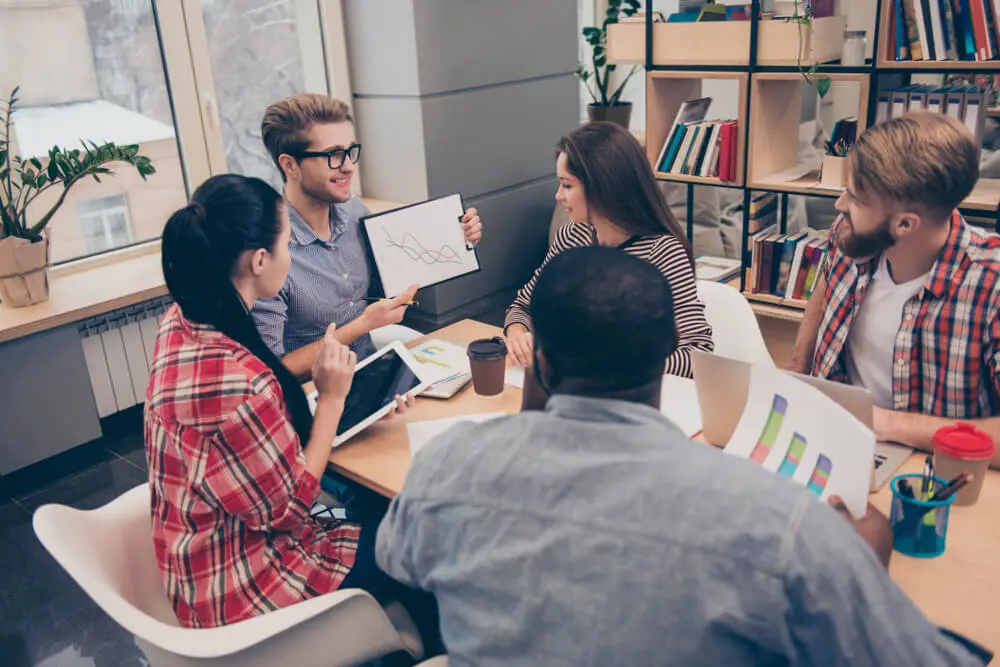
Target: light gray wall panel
[[393, 163], [471, 43], [381, 47], [47, 401], [488, 139], [515, 239]]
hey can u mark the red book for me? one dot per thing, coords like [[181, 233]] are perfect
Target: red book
[[734, 140], [800, 280], [724, 145], [978, 13]]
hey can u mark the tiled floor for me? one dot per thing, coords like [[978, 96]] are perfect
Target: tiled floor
[[46, 620]]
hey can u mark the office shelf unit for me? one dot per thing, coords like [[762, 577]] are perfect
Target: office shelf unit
[[770, 87]]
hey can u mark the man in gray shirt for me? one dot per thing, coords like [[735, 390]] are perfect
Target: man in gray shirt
[[595, 533]]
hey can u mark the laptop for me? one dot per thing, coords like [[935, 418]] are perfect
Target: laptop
[[722, 385]]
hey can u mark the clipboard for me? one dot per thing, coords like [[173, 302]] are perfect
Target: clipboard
[[421, 244]]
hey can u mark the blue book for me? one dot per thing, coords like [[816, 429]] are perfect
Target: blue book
[[675, 144], [902, 40]]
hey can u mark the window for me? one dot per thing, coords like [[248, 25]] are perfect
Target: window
[[105, 223], [102, 79], [260, 51], [163, 74]]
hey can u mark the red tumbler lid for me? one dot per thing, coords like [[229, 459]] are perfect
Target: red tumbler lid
[[964, 442]]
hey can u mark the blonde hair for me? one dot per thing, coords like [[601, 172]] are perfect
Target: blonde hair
[[929, 160], [286, 123]]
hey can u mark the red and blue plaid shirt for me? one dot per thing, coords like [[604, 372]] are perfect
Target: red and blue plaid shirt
[[230, 490], [946, 358]]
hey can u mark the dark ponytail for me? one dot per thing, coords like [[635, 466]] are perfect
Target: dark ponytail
[[228, 215]]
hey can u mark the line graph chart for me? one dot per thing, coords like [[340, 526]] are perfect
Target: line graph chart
[[411, 246], [420, 245]]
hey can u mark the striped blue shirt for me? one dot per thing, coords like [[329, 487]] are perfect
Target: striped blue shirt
[[327, 282]]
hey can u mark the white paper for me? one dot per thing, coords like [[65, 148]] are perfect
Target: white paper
[[420, 245], [515, 376], [421, 433], [794, 173], [679, 403], [794, 430]]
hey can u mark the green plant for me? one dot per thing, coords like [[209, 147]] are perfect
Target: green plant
[[820, 83], [22, 181], [597, 77]]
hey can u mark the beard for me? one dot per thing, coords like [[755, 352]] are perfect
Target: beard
[[856, 245]]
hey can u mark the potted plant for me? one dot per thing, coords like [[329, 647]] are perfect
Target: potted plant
[[596, 76], [24, 247]]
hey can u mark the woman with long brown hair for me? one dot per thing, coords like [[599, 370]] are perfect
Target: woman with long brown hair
[[610, 195]]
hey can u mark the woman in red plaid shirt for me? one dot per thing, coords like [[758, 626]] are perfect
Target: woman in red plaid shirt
[[235, 457]]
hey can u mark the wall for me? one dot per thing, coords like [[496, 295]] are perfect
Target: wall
[[470, 97], [49, 70]]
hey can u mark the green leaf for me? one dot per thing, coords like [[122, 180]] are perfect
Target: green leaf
[[600, 61], [822, 86], [37, 163]]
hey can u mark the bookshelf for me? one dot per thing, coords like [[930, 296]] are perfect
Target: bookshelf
[[761, 57]]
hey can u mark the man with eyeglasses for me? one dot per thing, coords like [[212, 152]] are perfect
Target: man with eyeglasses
[[311, 140]]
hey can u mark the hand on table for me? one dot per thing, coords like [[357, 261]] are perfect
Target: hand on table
[[388, 311], [520, 345], [333, 370], [472, 226], [873, 528]]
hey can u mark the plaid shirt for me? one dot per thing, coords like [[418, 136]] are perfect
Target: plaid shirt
[[230, 491], [947, 351]]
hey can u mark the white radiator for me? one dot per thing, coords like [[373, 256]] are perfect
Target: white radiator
[[118, 347]]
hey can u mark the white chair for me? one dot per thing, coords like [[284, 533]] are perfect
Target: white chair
[[109, 553], [439, 661], [735, 330], [393, 332]]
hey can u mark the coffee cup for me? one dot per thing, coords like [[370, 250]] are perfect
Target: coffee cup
[[960, 448], [488, 361]]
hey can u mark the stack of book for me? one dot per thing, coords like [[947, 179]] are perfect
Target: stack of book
[[945, 29], [964, 103], [706, 148], [786, 265]]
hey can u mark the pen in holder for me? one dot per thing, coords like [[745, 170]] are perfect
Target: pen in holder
[[919, 527]]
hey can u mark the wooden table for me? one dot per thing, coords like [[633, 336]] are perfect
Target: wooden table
[[959, 590], [379, 457]]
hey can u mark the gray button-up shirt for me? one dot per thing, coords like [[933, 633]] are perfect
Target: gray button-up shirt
[[327, 282], [596, 533]]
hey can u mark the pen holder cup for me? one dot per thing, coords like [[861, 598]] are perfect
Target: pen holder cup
[[832, 174], [919, 527]]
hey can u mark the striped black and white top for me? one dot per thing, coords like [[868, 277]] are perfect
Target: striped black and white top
[[664, 252]]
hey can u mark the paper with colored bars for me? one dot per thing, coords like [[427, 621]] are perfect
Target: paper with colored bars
[[794, 430]]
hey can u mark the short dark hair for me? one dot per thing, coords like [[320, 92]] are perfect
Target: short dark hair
[[603, 315]]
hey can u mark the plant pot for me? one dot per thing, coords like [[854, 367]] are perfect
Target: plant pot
[[620, 114], [24, 272], [833, 171]]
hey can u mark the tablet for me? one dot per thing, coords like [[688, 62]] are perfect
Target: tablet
[[378, 380]]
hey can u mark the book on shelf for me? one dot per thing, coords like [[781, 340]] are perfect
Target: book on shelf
[[945, 30], [786, 265], [716, 269], [763, 211], [703, 148], [966, 104]]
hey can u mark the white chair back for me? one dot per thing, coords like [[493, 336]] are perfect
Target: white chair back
[[735, 330], [109, 553]]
